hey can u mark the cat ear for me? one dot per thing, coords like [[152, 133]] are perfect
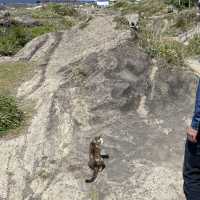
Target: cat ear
[[101, 140]]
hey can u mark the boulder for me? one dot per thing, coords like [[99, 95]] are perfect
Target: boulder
[[89, 82], [6, 20], [4, 13], [27, 21], [5, 17]]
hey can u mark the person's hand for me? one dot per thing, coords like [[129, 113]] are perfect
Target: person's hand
[[192, 134]]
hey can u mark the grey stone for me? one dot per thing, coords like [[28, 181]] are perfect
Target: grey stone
[[90, 82], [4, 13], [27, 21]]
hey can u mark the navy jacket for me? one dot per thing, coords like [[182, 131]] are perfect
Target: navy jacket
[[196, 116]]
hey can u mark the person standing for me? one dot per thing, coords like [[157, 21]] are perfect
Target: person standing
[[191, 167]]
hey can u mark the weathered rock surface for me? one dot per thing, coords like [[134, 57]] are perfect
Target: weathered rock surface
[[90, 82], [7, 20], [27, 21], [4, 13], [186, 36]]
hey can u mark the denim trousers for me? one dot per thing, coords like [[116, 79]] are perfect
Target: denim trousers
[[191, 171]]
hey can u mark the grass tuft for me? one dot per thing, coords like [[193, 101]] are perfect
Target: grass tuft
[[171, 51], [11, 74], [62, 10], [10, 116], [193, 47], [147, 7]]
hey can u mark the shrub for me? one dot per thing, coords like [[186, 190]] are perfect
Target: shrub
[[10, 115], [172, 52], [181, 4], [12, 39], [185, 20], [121, 5], [11, 74], [147, 7], [62, 10], [193, 47], [39, 30]]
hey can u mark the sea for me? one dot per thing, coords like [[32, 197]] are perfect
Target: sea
[[8, 2], [17, 1]]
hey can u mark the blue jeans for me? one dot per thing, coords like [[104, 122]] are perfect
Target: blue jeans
[[191, 171]]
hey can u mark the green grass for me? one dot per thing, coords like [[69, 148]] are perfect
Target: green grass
[[181, 4], [172, 52], [149, 8], [193, 47], [12, 39], [12, 74], [156, 44], [183, 21], [54, 17], [62, 10], [53, 10], [12, 116], [146, 7]]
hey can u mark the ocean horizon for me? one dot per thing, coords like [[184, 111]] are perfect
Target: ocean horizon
[[17, 1], [31, 1]]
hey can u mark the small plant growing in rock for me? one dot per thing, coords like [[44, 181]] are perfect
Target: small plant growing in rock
[[12, 39], [193, 47], [10, 115], [94, 195], [172, 52], [43, 173]]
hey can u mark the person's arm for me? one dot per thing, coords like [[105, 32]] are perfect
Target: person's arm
[[196, 115], [193, 130]]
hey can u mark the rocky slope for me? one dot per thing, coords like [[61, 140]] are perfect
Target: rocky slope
[[89, 82]]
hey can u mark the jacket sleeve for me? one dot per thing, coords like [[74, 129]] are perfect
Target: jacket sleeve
[[196, 115]]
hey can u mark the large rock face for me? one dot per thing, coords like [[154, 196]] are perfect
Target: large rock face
[[90, 82]]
